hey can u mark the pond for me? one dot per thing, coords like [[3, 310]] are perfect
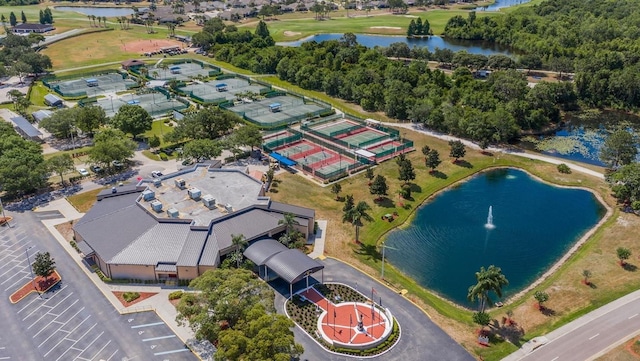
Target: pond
[[534, 225], [433, 42], [499, 4], [97, 11], [583, 136]]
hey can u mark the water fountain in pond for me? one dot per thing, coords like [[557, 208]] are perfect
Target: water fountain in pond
[[489, 224]]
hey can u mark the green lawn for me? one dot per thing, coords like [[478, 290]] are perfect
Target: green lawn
[[38, 91], [160, 129], [360, 25], [84, 201]]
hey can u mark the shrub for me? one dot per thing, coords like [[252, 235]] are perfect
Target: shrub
[[130, 296], [163, 156], [563, 168], [176, 295]]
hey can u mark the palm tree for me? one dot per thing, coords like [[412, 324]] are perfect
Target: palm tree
[[490, 279], [289, 222], [104, 21], [356, 215], [623, 255], [164, 66], [89, 17], [240, 243], [586, 274]]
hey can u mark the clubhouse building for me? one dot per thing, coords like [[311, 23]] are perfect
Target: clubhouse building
[[181, 225]]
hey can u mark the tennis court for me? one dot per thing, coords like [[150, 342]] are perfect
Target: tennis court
[[93, 85], [318, 161], [290, 109], [220, 90], [182, 71], [335, 128], [156, 104], [386, 147], [363, 137]]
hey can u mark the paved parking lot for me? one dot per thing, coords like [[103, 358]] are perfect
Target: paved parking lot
[[72, 321]]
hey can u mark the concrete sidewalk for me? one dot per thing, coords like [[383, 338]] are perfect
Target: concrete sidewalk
[[318, 244], [158, 303]]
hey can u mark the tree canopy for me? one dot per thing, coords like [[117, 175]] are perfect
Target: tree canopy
[[132, 119], [43, 264], [111, 145], [237, 299], [208, 123], [22, 166]]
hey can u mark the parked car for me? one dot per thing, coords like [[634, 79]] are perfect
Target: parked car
[[96, 169], [156, 173], [83, 172], [117, 164]]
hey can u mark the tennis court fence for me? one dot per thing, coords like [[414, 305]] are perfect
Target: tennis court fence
[[270, 146]]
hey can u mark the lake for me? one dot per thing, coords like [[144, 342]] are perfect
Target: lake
[[499, 4], [97, 11], [432, 42], [535, 224]]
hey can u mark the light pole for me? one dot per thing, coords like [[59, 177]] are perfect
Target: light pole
[[6, 220], [383, 248], [33, 279]]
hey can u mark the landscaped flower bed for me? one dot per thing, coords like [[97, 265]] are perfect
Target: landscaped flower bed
[[305, 314]]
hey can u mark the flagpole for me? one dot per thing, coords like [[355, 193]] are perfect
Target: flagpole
[[349, 328]]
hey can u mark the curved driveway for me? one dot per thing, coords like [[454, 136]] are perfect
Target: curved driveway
[[420, 339]]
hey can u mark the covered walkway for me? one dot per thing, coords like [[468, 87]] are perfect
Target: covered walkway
[[289, 264]]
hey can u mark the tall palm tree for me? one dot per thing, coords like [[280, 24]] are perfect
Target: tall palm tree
[[164, 66], [104, 21], [490, 279], [289, 222], [240, 243], [356, 215]]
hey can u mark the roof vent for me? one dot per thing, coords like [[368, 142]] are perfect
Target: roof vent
[[194, 193], [148, 195], [228, 208], [157, 182], [173, 213], [180, 183], [209, 201], [156, 206]]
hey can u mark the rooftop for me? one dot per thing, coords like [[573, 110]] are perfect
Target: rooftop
[[232, 190]]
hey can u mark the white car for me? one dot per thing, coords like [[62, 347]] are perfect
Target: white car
[[83, 172], [156, 174]]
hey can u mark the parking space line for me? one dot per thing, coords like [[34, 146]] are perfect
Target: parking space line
[[148, 325], [65, 310], [24, 277], [11, 269], [65, 339], [100, 335], [97, 353], [59, 328], [89, 345], [75, 328], [172, 351], [157, 338], [45, 305], [27, 305], [113, 354]]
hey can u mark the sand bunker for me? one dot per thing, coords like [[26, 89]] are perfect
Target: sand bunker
[[291, 33], [386, 27]]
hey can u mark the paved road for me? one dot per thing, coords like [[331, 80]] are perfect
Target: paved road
[[73, 321], [590, 336], [419, 335]]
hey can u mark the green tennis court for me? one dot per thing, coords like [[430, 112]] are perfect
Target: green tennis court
[[332, 128], [366, 137], [93, 85], [182, 71], [156, 104]]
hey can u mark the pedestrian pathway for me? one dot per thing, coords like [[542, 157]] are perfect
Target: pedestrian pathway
[[318, 245]]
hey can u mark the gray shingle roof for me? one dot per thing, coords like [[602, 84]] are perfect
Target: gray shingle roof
[[159, 244], [112, 232], [291, 265], [52, 99], [251, 224], [260, 251], [192, 249], [107, 206], [288, 208]]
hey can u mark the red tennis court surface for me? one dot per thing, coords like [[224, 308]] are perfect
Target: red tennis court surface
[[338, 324]]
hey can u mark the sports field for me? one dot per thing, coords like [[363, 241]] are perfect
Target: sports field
[[350, 133], [227, 89], [183, 71], [92, 85], [156, 104]]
